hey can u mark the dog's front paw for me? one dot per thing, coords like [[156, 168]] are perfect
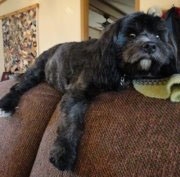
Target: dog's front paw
[[63, 156], [9, 102], [4, 114]]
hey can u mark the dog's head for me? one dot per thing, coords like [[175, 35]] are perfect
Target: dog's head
[[143, 45]]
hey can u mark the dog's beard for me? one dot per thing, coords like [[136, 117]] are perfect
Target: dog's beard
[[137, 63], [144, 68]]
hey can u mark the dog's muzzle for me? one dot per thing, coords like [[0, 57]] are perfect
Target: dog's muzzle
[[148, 48]]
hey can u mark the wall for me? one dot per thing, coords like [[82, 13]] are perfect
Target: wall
[[59, 21], [163, 4]]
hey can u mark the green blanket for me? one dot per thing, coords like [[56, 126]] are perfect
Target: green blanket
[[168, 88]]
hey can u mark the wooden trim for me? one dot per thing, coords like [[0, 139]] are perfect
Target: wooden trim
[[84, 19], [20, 10], [137, 5]]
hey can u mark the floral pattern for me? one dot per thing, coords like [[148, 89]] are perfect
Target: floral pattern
[[20, 40]]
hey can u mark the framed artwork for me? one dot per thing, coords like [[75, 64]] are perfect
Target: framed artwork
[[20, 39]]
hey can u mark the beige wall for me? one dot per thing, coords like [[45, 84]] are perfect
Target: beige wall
[[59, 21], [163, 4]]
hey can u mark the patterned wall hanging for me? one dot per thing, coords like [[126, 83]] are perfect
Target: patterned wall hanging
[[20, 40]]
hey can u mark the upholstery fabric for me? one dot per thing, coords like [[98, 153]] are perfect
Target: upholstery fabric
[[126, 135], [42, 167], [21, 134]]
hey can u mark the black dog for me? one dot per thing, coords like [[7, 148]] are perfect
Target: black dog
[[136, 46]]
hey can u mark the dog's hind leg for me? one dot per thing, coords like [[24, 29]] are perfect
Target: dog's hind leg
[[31, 78], [64, 151], [10, 101]]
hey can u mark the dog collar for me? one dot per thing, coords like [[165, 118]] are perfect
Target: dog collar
[[124, 81]]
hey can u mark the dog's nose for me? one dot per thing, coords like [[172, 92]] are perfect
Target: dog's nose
[[149, 47]]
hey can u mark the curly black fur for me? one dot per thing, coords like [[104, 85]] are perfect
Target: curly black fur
[[136, 46]]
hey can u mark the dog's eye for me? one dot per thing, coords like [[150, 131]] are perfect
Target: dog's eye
[[132, 35], [157, 36]]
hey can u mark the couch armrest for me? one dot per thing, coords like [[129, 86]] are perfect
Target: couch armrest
[[126, 134], [21, 134], [5, 86]]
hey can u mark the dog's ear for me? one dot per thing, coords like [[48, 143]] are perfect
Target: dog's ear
[[172, 66], [172, 42], [107, 37], [109, 34]]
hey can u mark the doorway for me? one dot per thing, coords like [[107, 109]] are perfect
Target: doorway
[[104, 12]]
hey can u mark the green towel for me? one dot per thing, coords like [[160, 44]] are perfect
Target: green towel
[[167, 88]]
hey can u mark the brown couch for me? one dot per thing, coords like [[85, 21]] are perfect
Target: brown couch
[[126, 135]]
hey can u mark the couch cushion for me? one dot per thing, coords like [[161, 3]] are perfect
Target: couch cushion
[[42, 167], [21, 134], [126, 134]]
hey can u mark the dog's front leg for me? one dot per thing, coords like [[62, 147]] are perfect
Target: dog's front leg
[[73, 107]]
